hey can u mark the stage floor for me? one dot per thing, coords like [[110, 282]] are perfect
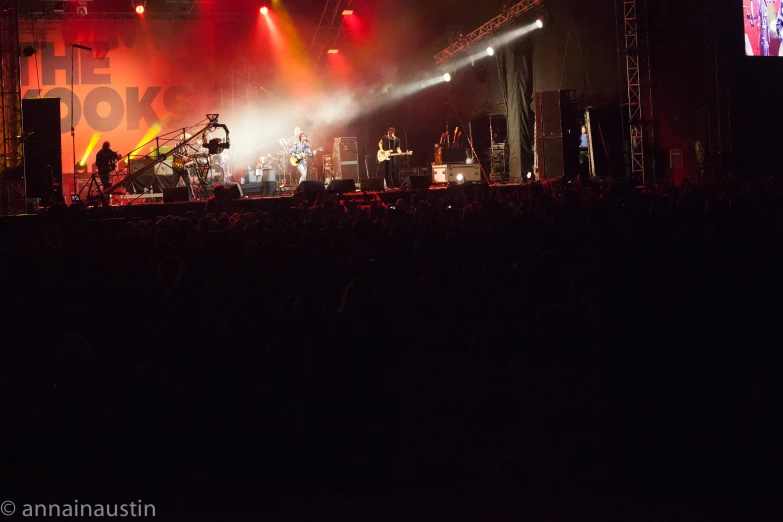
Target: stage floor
[[152, 204]]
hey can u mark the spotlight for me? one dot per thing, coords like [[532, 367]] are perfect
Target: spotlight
[[529, 176], [332, 51], [539, 23], [490, 51], [348, 12], [460, 178], [28, 51], [139, 8], [264, 10], [447, 77], [81, 10]]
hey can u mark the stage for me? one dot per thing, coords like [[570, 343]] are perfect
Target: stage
[[149, 207]]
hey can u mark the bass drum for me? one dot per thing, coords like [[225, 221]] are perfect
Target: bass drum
[[216, 174]]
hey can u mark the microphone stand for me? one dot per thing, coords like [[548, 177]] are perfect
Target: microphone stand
[[492, 151], [73, 132]]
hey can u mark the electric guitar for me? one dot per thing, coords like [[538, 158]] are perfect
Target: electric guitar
[[297, 159], [385, 155]]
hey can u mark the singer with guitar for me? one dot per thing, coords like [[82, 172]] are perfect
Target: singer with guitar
[[388, 149], [299, 154]]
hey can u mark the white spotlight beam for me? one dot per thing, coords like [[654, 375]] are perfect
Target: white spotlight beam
[[486, 30]]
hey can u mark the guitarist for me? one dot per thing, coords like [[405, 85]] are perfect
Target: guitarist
[[390, 143], [301, 151], [106, 160]]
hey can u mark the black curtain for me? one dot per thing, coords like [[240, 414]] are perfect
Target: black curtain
[[518, 65], [501, 86]]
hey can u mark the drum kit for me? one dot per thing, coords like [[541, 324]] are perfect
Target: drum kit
[[206, 169]]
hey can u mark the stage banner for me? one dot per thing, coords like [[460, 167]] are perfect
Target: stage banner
[[141, 79]]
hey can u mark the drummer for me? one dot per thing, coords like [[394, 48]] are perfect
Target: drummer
[[264, 162]]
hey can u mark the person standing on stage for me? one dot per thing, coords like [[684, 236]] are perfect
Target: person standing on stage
[[389, 143], [301, 150], [105, 160], [178, 166]]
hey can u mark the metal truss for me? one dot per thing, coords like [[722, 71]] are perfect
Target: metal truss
[[328, 31], [487, 29], [713, 90], [184, 7], [640, 104], [12, 189], [150, 15]]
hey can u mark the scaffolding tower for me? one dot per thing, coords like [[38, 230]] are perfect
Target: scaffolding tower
[[12, 192], [639, 82]]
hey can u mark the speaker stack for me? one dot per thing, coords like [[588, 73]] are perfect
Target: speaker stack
[[557, 134], [345, 159], [42, 151]]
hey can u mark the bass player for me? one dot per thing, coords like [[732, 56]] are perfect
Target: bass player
[[389, 144]]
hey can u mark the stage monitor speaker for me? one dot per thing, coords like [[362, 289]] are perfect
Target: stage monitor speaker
[[416, 183], [310, 186], [453, 155], [308, 190], [234, 191], [42, 149], [342, 185], [175, 194], [371, 184]]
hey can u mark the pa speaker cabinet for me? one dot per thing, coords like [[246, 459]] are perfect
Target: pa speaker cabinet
[[550, 158], [557, 120], [42, 150], [416, 183], [371, 184], [342, 185], [349, 170], [470, 172], [175, 194]]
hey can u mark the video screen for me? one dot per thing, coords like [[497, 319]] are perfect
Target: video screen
[[763, 27]]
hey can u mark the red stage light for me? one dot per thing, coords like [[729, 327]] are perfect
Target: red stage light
[[140, 9], [347, 12], [332, 51], [264, 10]]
